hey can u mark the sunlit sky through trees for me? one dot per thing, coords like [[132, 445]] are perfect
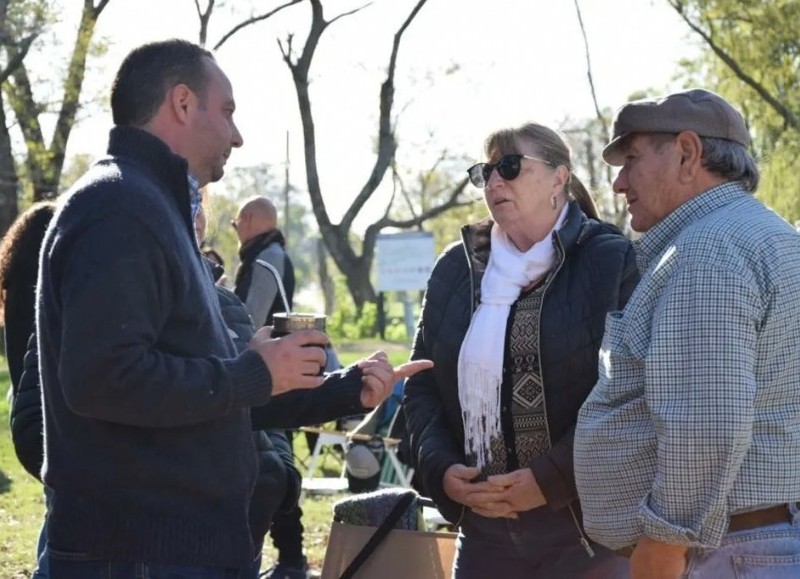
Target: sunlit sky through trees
[[466, 67]]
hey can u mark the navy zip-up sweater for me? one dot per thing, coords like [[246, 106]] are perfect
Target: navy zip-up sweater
[[149, 448]]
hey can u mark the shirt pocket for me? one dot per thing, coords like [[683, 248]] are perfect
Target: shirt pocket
[[622, 356]]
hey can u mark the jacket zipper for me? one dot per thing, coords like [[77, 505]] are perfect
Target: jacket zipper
[[471, 271], [557, 242], [583, 540], [472, 311]]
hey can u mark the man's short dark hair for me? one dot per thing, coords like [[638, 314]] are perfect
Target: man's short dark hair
[[149, 71]]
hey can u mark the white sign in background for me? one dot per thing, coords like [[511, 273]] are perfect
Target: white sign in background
[[404, 260]]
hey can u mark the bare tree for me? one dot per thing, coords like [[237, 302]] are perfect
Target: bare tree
[[204, 16], [252, 20], [356, 268], [613, 208], [325, 278], [338, 237], [590, 77]]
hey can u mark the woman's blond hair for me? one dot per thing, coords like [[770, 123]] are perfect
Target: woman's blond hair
[[552, 148]]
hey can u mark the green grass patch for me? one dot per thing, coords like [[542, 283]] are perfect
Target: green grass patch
[[21, 502], [349, 352]]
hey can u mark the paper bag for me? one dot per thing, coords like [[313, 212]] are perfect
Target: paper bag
[[401, 555]]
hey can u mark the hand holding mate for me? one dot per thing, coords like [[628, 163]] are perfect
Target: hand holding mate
[[294, 361]]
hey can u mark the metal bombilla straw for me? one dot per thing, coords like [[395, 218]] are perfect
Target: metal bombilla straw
[[282, 291], [278, 281]]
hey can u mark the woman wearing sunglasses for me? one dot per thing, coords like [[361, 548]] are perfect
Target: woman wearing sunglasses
[[513, 318]]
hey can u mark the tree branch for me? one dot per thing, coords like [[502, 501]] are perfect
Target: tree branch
[[398, 182], [452, 201], [251, 21], [356, 268], [387, 145], [787, 115], [204, 18], [598, 112], [20, 97], [74, 81], [353, 11], [45, 163], [102, 5], [299, 70], [17, 56], [391, 200]]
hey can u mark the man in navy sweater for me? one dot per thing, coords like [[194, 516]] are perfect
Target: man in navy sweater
[[149, 451]]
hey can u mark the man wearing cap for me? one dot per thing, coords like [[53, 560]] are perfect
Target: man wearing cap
[[686, 450]]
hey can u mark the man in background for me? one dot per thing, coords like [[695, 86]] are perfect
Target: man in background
[[260, 240]]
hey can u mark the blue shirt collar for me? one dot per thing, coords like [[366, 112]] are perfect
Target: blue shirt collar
[[653, 242], [195, 195]]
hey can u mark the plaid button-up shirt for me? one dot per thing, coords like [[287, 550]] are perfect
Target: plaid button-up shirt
[[195, 194], [696, 413]]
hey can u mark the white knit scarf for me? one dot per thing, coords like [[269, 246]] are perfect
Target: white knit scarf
[[480, 362]]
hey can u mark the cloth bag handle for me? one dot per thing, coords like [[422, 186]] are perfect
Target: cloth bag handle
[[378, 536]]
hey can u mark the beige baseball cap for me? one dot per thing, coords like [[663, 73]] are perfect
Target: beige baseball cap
[[697, 110]]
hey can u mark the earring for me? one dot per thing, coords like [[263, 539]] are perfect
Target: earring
[[553, 202]]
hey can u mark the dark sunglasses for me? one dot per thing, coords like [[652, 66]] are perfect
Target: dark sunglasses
[[233, 223], [508, 168]]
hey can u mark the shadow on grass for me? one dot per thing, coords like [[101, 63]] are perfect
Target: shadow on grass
[[5, 483]]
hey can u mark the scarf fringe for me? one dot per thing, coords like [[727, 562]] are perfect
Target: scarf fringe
[[480, 403], [480, 361]]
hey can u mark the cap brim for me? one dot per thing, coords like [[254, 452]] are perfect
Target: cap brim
[[612, 154]]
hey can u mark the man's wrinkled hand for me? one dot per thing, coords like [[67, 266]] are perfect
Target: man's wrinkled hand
[[652, 559]]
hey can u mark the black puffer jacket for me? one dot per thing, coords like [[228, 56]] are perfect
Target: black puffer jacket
[[26, 414], [595, 273], [19, 284]]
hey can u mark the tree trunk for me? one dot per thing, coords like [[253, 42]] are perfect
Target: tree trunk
[[9, 182], [337, 237], [45, 163], [325, 279], [357, 273]]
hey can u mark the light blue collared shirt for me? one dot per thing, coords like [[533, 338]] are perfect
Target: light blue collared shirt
[[195, 195]]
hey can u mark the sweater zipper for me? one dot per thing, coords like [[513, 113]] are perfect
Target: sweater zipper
[[469, 269], [557, 242]]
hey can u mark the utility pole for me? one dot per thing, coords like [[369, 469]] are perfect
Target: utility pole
[[286, 188]]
